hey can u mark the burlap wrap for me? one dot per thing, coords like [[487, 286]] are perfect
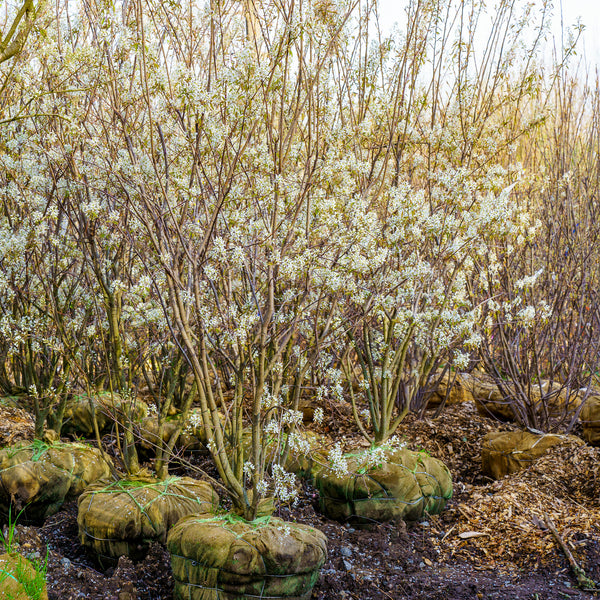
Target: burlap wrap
[[304, 461], [41, 476], [405, 486], [490, 401], [109, 408], [119, 518], [15, 571], [229, 559], [191, 439], [590, 419], [13, 401], [458, 393], [503, 453]]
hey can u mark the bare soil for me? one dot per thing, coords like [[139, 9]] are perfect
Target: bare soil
[[491, 542]]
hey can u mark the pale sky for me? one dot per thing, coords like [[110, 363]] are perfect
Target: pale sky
[[588, 10]]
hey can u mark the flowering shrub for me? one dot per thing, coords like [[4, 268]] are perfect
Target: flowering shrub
[[219, 205]]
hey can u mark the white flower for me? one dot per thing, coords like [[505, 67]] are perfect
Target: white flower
[[527, 316], [194, 420], [528, 281], [248, 469], [284, 484], [461, 360], [292, 417], [318, 415], [272, 427], [544, 310], [337, 463], [375, 456], [298, 445], [262, 487]]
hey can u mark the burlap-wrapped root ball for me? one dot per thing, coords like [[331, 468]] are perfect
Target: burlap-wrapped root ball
[[192, 437], [402, 485], [79, 417], [42, 476], [489, 400], [590, 419], [546, 398], [458, 393], [301, 452], [308, 456], [19, 579], [122, 518], [228, 558], [503, 453]]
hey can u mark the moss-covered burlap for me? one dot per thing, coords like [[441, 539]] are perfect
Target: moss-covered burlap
[[19, 579], [191, 438], [590, 419], [227, 558], [405, 485], [121, 518], [307, 463], [304, 456], [42, 476], [13, 401], [108, 407], [503, 453]]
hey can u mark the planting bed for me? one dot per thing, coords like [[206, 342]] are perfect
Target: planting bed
[[490, 542]]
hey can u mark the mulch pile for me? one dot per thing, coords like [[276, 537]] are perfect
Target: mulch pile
[[16, 425], [506, 522]]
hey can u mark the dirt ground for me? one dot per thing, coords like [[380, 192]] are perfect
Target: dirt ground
[[493, 541]]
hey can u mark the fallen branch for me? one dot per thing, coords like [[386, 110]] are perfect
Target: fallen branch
[[583, 581]]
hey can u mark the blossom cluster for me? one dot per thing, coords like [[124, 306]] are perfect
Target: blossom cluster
[[231, 225]]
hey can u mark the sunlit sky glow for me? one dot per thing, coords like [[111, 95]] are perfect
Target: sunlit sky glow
[[392, 11]]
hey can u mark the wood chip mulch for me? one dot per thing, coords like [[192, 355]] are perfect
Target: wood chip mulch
[[16, 425], [504, 523], [501, 524]]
